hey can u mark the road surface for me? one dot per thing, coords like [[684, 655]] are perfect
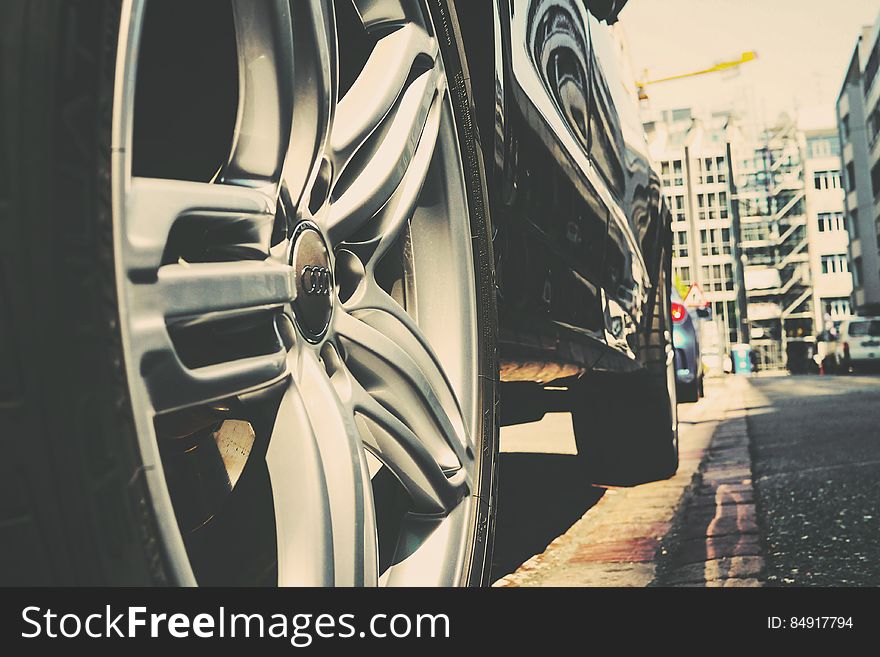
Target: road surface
[[815, 445]]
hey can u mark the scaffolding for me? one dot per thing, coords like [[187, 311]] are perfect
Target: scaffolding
[[771, 201]]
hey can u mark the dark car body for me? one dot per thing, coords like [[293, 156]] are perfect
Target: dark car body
[[581, 229]]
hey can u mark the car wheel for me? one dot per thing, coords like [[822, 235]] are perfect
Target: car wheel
[[689, 393], [248, 307], [626, 424]]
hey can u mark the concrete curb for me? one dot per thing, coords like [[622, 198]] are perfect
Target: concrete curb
[[716, 540]]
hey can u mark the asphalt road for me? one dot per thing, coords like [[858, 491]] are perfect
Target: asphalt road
[[815, 443]]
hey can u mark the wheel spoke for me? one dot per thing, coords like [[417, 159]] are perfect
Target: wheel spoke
[[264, 38], [158, 296], [387, 224], [303, 526], [377, 88], [212, 288], [434, 489], [332, 502], [385, 315], [153, 206], [379, 14], [172, 385], [315, 89], [410, 135], [387, 354]]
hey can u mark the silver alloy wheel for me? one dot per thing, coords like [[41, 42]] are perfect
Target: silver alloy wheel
[[343, 293]]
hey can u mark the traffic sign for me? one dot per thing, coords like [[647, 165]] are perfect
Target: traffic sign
[[695, 297]]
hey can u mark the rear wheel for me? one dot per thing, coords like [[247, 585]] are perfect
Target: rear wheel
[[626, 424], [273, 284], [689, 392]]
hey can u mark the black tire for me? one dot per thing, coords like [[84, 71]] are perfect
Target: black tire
[[625, 424], [452, 48], [76, 509], [688, 393]]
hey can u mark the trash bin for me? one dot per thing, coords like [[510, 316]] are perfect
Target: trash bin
[[741, 354]]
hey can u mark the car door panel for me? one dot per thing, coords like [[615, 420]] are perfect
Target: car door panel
[[570, 237], [553, 232]]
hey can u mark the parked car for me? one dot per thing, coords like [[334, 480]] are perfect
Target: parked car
[[263, 289], [858, 344], [688, 362]]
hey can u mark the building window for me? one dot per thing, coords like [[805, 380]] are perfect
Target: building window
[[721, 169], [755, 232], [844, 126], [681, 244], [831, 221], [712, 206], [671, 173], [834, 264], [708, 169], [732, 328], [677, 205], [717, 278], [823, 146], [678, 178], [715, 241], [837, 307], [711, 170], [754, 207], [827, 179], [854, 225], [857, 274], [684, 274], [873, 126], [851, 176]]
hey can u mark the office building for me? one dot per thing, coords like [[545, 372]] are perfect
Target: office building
[[858, 115]]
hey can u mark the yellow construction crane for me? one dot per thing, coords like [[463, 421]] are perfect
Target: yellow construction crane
[[718, 68]]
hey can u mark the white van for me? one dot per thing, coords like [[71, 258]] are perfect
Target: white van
[[859, 342]]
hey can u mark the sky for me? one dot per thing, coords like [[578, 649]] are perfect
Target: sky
[[803, 46]]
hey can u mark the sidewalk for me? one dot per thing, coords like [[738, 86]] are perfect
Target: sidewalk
[[696, 529]]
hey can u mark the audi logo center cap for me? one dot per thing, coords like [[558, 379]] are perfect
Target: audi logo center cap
[[314, 282]]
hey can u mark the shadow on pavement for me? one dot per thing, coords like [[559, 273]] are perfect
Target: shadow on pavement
[[540, 496]]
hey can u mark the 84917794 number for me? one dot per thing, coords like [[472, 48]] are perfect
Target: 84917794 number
[[810, 623]]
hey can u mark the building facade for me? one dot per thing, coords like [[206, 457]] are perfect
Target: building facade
[[858, 116], [827, 230], [759, 223], [771, 200], [694, 160]]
